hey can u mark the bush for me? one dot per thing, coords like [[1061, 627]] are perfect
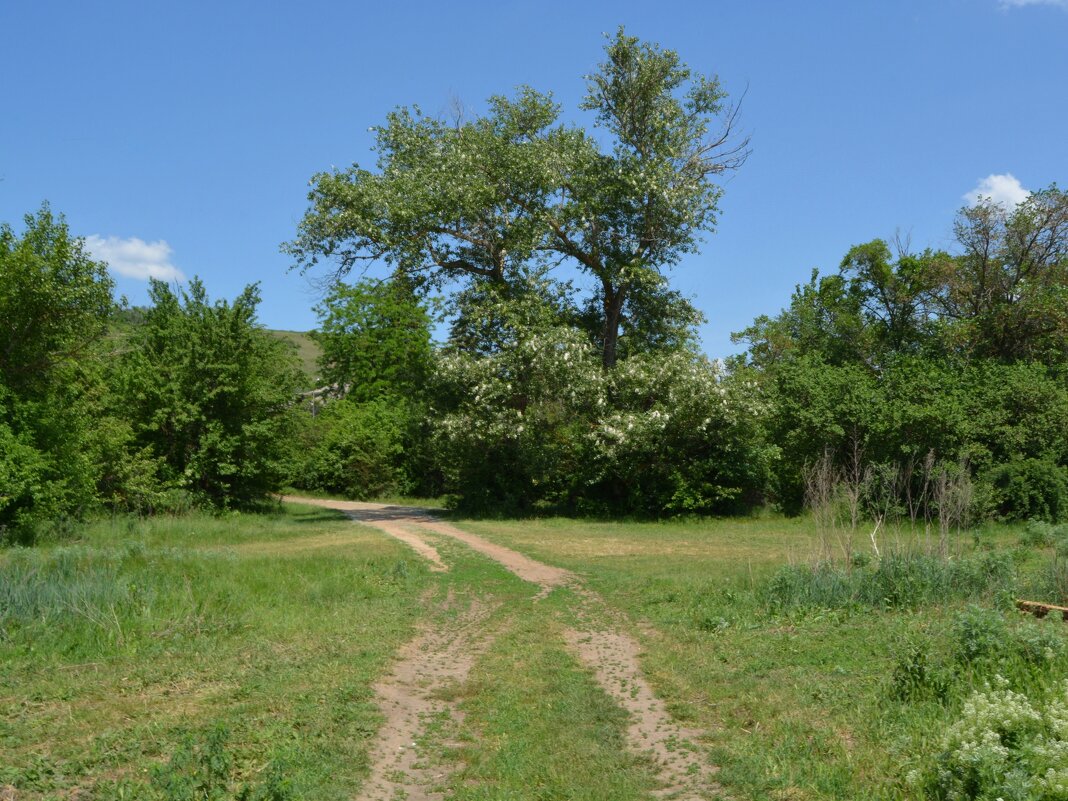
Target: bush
[[210, 394], [1004, 745], [511, 427], [1029, 488], [541, 425], [916, 675], [355, 449], [1040, 534], [980, 634], [24, 497], [677, 436], [55, 302]]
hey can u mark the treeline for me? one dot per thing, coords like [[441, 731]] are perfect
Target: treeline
[[897, 369], [916, 365], [901, 370], [901, 357], [185, 403]]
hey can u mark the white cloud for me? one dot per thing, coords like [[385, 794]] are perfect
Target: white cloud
[[1021, 3], [135, 258], [1003, 189]]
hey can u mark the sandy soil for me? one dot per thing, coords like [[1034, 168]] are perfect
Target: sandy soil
[[409, 697]]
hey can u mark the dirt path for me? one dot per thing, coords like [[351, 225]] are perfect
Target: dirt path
[[439, 658], [599, 641], [612, 656], [390, 519]]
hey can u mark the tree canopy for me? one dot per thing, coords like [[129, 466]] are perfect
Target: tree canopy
[[483, 198], [211, 393]]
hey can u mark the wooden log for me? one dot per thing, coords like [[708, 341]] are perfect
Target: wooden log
[[1041, 609]]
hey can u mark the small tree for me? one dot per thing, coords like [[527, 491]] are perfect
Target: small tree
[[55, 302], [212, 393]]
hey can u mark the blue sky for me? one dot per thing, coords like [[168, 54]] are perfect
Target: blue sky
[[180, 137]]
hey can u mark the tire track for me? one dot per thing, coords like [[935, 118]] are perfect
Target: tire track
[[609, 652], [440, 657]]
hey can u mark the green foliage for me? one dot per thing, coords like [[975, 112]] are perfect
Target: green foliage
[[897, 580], [55, 303], [674, 435], [1030, 488], [986, 414], [916, 675], [375, 340], [535, 422], [489, 198], [510, 427], [1004, 745], [1004, 295], [1040, 534], [24, 491], [957, 355], [355, 449], [211, 394]]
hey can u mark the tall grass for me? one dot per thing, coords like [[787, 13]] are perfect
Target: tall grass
[[84, 600], [117, 649], [900, 579]]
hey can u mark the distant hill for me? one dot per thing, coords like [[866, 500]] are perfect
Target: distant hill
[[308, 351]]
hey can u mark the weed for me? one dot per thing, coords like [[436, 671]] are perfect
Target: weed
[[200, 770], [915, 674], [1040, 534]]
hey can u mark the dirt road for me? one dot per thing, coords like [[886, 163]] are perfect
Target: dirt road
[[436, 658]]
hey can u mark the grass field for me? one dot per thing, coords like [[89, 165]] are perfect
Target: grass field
[[240, 653]]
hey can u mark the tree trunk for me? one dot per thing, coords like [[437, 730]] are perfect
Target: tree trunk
[[613, 313]]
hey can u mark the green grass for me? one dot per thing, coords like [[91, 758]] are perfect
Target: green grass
[[535, 724], [133, 647], [800, 703], [117, 648], [308, 352]]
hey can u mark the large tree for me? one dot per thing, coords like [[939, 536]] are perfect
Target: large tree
[[1006, 294], [485, 198]]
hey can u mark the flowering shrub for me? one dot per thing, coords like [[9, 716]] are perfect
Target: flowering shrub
[[678, 436], [510, 427], [541, 423], [1003, 746]]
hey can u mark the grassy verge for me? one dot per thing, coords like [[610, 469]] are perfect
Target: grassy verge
[[121, 649]]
